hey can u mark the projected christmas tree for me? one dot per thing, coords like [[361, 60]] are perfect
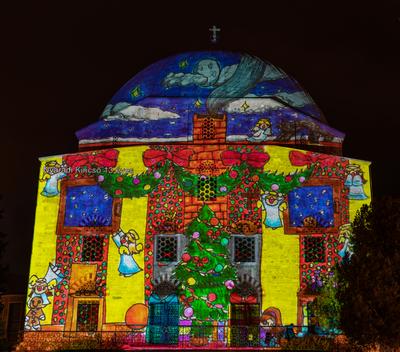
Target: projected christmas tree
[[205, 271]]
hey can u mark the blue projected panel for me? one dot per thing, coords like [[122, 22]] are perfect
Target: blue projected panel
[[311, 206], [88, 206]]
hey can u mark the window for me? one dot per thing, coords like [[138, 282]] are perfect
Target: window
[[311, 207], [207, 188], [208, 128], [315, 207], [92, 249], [314, 249], [86, 208], [244, 249], [88, 316], [167, 249]]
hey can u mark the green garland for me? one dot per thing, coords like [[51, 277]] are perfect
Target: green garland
[[125, 186], [226, 182], [285, 183]]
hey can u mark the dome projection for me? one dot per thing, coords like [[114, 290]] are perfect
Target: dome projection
[[260, 101]]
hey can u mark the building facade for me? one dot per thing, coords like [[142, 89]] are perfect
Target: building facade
[[211, 193]]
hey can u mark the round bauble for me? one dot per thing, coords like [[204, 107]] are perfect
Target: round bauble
[[191, 281], [229, 284], [186, 257], [136, 316], [214, 221], [188, 312], [233, 174], [218, 268], [212, 296]]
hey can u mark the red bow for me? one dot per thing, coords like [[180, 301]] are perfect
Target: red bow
[[107, 158], [254, 159], [178, 157], [301, 159], [236, 298]]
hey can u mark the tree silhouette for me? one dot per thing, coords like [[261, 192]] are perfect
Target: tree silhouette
[[369, 284]]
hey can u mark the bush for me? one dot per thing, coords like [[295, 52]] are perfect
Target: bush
[[369, 284]]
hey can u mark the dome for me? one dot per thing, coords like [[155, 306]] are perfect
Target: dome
[[158, 104]]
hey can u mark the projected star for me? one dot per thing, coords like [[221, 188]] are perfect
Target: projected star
[[183, 64], [135, 92]]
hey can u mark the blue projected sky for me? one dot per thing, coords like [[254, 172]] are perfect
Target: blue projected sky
[[314, 201], [88, 206]]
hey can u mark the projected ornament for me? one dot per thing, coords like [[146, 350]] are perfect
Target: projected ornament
[[218, 268], [188, 312], [214, 222], [186, 257], [136, 316], [212, 297], [229, 284]]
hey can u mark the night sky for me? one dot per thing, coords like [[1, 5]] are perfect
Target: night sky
[[62, 63]]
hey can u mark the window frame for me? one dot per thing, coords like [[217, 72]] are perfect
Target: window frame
[[256, 249], [179, 247], [337, 187], [85, 230], [173, 236]]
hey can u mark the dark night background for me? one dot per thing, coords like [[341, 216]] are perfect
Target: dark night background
[[61, 63]]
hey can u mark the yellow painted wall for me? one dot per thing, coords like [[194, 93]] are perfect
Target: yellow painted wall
[[354, 205], [280, 258], [123, 292], [44, 236]]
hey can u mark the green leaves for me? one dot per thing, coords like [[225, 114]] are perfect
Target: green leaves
[[369, 288], [129, 186], [124, 186], [206, 214], [285, 182]]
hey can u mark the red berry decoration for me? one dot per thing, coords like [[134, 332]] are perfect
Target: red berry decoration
[[288, 178], [118, 192], [119, 179], [214, 221], [186, 257], [255, 178]]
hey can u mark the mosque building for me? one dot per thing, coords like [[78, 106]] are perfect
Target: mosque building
[[211, 199]]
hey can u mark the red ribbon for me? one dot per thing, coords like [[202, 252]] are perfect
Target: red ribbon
[[301, 159], [236, 298], [254, 159], [107, 158], [178, 157]]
